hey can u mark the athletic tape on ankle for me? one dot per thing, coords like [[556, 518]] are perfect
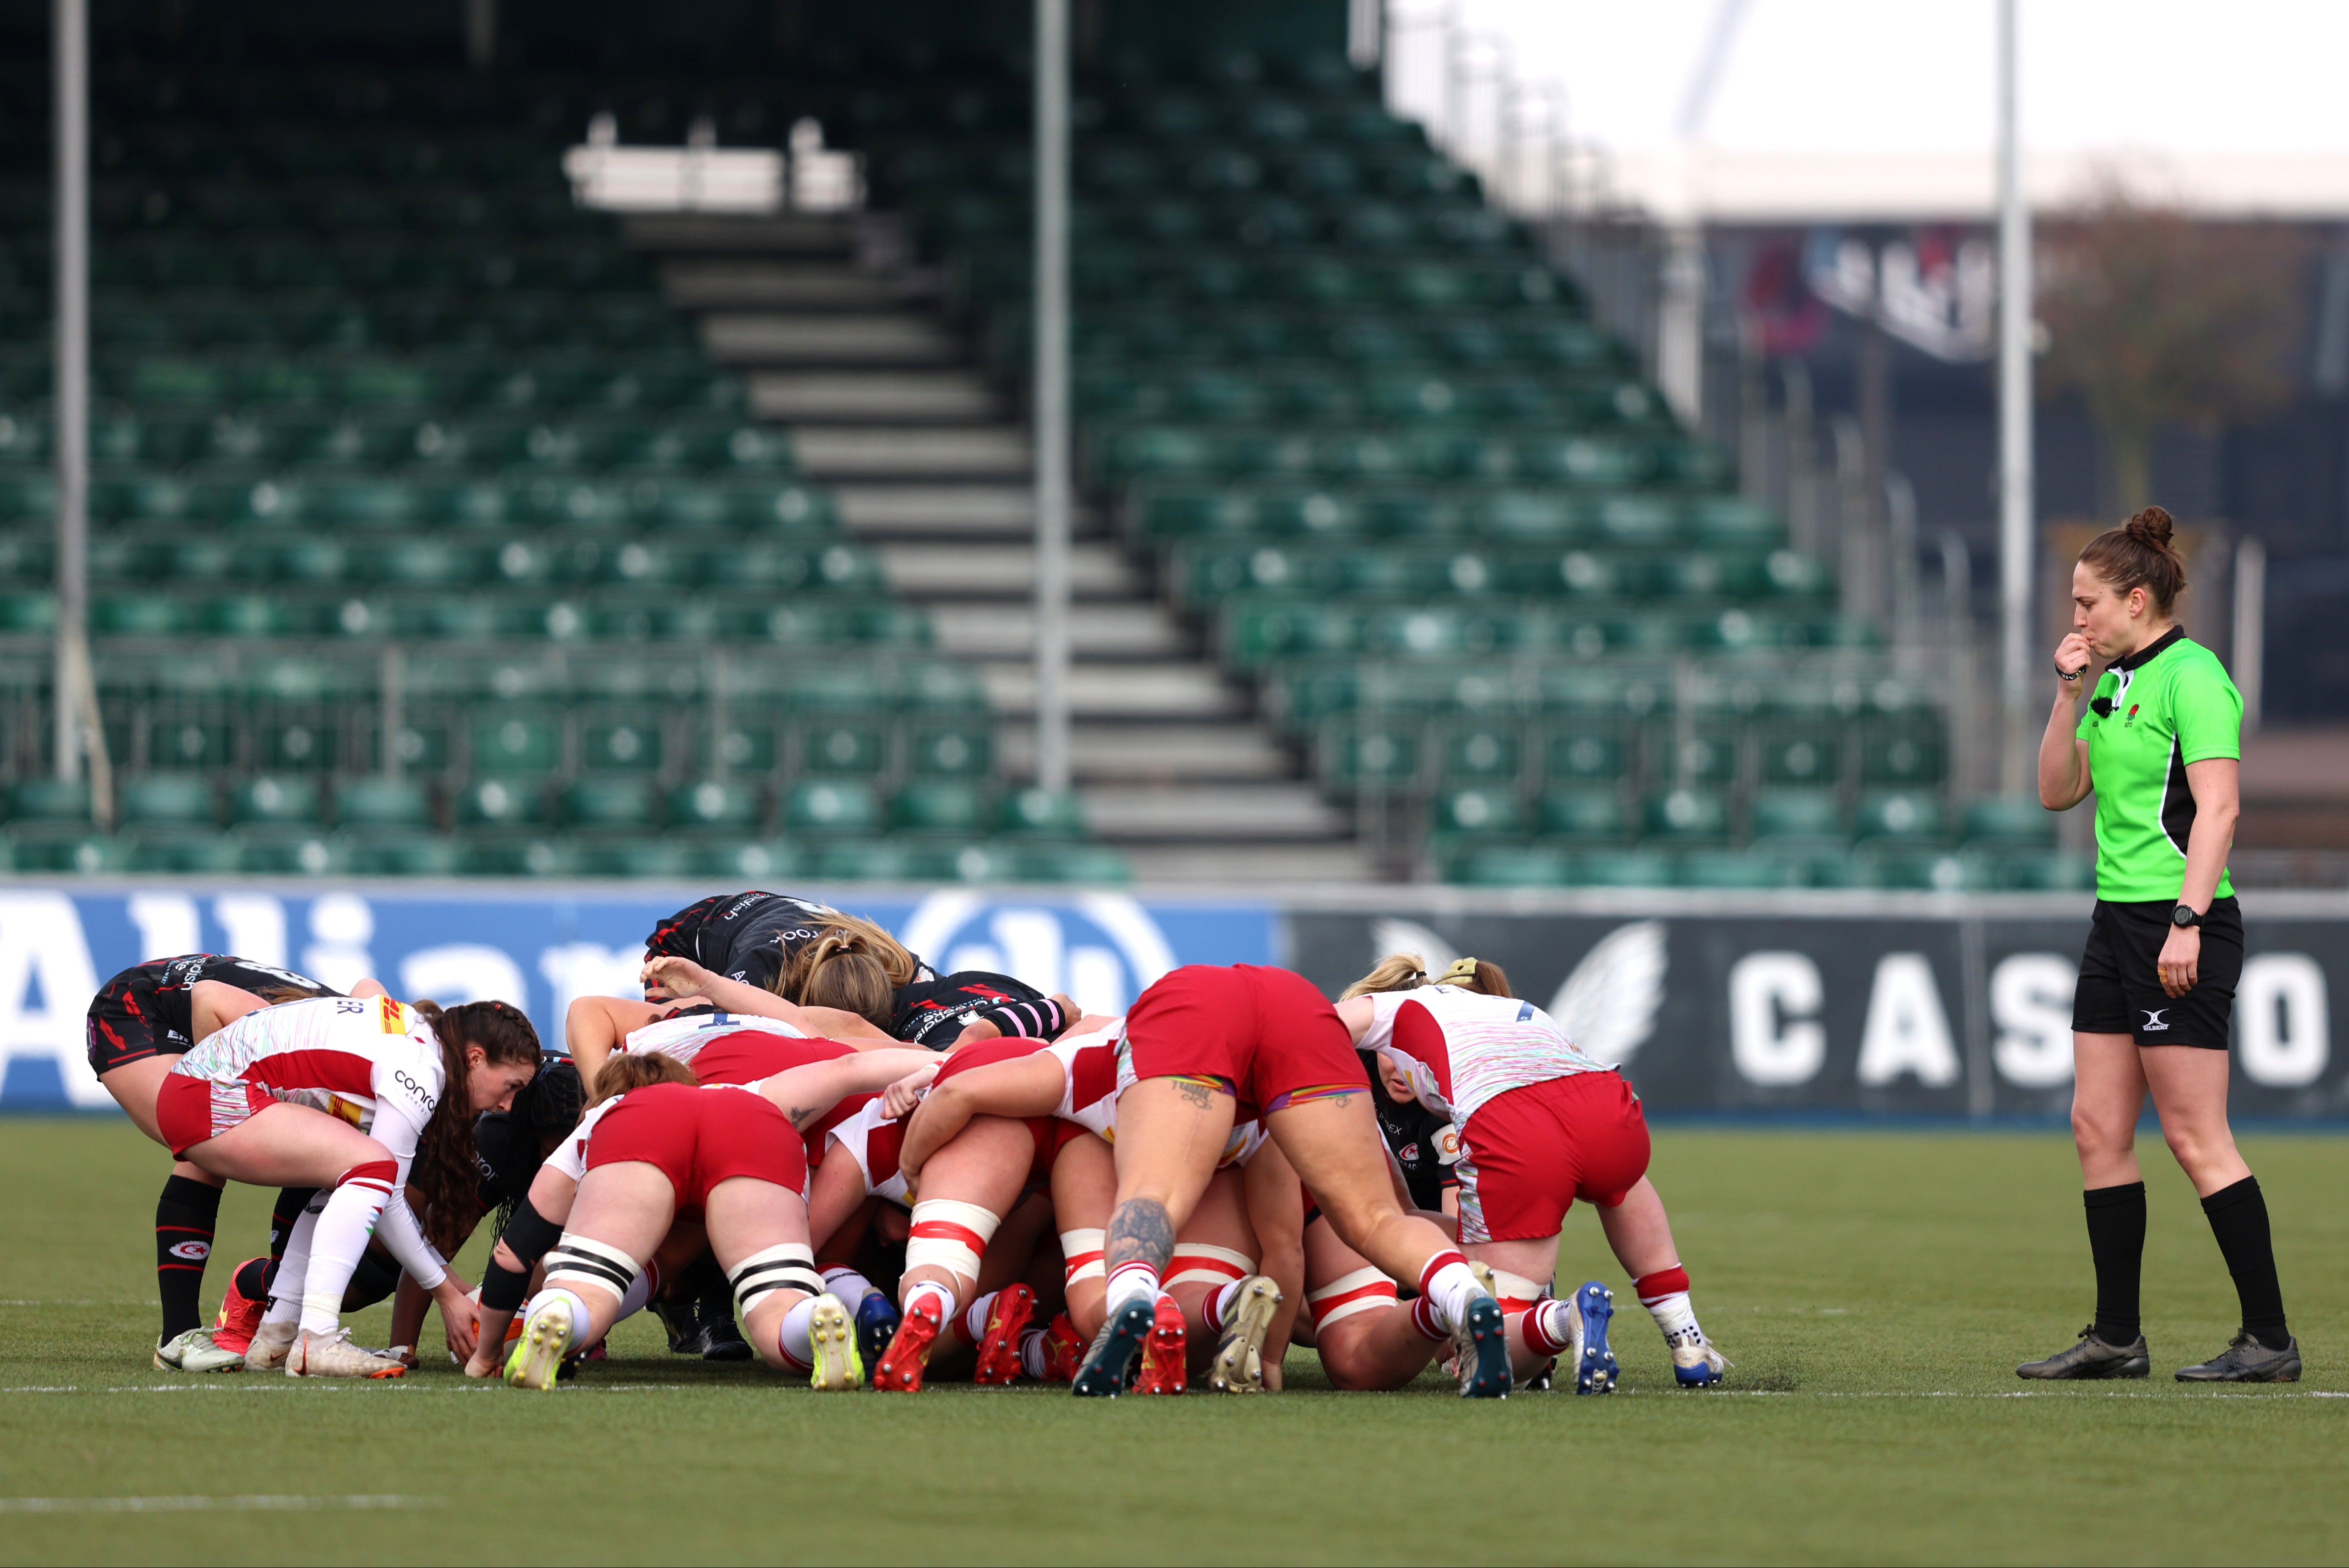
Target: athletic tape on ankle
[[1364, 1290], [1081, 1255], [949, 1235], [1195, 1263], [788, 1267], [575, 1261], [1515, 1292]]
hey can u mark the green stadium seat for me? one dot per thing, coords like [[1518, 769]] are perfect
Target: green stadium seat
[[631, 744], [533, 857], [48, 800], [502, 802], [1801, 757], [1581, 813], [1581, 755], [1623, 868], [1895, 813], [1683, 816], [831, 806], [635, 857], [273, 800], [174, 799], [379, 801], [958, 861], [1517, 865], [2017, 822], [857, 860], [515, 740], [843, 747], [1480, 753], [1923, 869], [1041, 813], [939, 806], [609, 802], [2046, 871], [1902, 755], [1796, 813], [182, 851], [292, 853], [748, 860], [403, 852], [949, 752], [1358, 754], [1476, 812], [1089, 864], [713, 806], [1735, 868], [57, 847]]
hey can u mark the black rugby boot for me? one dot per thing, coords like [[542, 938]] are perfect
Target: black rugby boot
[[2092, 1357], [2246, 1360]]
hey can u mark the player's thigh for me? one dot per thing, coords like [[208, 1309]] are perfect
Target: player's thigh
[[1527, 1259], [835, 1193], [2108, 1083], [287, 1146], [134, 1085], [746, 1215], [1334, 1144], [1085, 1190], [985, 1164], [1171, 1132], [1220, 1218], [629, 1204]]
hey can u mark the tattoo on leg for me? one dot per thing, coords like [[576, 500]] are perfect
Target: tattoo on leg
[[1140, 1232], [1199, 1095]]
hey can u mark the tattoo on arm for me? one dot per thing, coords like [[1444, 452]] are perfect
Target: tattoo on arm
[[1140, 1232]]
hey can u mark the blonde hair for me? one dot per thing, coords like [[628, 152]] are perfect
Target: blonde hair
[[897, 962], [841, 970], [623, 1072], [1408, 971]]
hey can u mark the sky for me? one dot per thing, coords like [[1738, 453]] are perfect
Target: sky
[[1917, 76]]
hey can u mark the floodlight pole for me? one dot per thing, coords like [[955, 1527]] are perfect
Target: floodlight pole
[[2017, 535], [71, 92], [1052, 395]]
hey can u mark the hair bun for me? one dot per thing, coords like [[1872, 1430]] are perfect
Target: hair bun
[[2153, 526]]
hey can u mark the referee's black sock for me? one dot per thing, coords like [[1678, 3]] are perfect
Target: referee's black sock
[[2238, 1218], [2116, 1240], [184, 1218]]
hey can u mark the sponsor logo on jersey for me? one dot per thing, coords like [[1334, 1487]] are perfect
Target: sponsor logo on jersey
[[350, 1111], [395, 1016], [192, 1251], [1447, 1146], [1408, 1154], [417, 1091]]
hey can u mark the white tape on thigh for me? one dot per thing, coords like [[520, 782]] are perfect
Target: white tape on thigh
[[1516, 1291], [1197, 1263], [575, 1261], [1081, 1255], [788, 1267], [949, 1235], [1364, 1290]]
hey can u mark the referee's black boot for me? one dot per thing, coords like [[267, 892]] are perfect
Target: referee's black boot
[[2092, 1357], [2246, 1360]]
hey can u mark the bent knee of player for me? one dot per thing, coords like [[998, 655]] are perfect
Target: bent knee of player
[[762, 1325]]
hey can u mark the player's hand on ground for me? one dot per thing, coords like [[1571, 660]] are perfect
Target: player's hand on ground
[[2180, 962], [2074, 654], [479, 1365], [669, 977], [898, 1100]]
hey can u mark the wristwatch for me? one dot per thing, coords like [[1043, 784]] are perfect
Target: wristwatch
[[2184, 918]]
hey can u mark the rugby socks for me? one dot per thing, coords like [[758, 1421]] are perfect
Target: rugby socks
[[1445, 1280], [1215, 1310], [1130, 1282], [970, 1324], [942, 1297], [2238, 1218], [286, 1274], [340, 1238], [2117, 1241], [849, 1286], [1034, 1353], [251, 1278], [185, 1216], [1665, 1295], [793, 1340], [1546, 1328]]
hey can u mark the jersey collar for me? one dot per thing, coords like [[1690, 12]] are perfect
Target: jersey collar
[[2150, 652]]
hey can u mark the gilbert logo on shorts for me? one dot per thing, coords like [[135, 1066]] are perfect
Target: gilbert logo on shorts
[[2154, 1021]]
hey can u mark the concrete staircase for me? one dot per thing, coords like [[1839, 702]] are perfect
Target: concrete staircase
[[838, 336]]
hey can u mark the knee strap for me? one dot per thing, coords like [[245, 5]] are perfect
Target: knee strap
[[1515, 1292], [1084, 1254], [949, 1235], [788, 1267], [1364, 1290], [1197, 1263], [575, 1261]]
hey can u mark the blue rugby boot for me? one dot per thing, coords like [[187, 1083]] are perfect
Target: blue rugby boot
[[1108, 1368], [1595, 1369]]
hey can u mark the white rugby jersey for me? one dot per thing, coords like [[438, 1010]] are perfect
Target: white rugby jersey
[[1461, 1048], [871, 1139], [684, 1035], [570, 1156]]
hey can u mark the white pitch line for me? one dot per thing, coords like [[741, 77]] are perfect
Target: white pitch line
[[207, 1504]]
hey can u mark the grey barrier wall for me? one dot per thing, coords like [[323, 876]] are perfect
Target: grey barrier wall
[[1865, 1003]]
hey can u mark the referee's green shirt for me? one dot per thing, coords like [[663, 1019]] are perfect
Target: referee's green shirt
[[2166, 705]]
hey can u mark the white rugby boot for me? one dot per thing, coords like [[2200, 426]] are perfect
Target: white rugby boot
[[1238, 1366], [334, 1355], [1697, 1362], [272, 1342], [195, 1351]]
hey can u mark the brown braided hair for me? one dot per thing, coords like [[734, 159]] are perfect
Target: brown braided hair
[[447, 1170]]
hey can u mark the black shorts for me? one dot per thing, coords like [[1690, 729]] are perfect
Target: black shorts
[[2120, 979]]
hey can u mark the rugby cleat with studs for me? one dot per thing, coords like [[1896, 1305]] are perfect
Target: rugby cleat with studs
[[2246, 1360], [196, 1351], [1480, 1349], [876, 1325], [1697, 1362], [998, 1350], [1238, 1366], [240, 1314], [537, 1358], [1595, 1368], [270, 1343], [334, 1355], [832, 1334], [899, 1370], [2092, 1359], [1106, 1371], [1064, 1349], [1165, 1350]]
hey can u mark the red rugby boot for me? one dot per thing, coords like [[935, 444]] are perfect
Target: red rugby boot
[[999, 1353], [240, 1314], [1064, 1350], [1163, 1351], [899, 1370]]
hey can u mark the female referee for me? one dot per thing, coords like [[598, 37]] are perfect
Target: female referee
[[2159, 745]]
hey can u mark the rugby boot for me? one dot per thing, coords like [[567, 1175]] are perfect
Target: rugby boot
[[1165, 1350], [899, 1370], [682, 1319], [1106, 1371], [1480, 1349], [1697, 1362], [196, 1351], [270, 1343], [876, 1325], [1064, 1350], [2092, 1357], [998, 1350], [537, 1360], [240, 1314], [1595, 1368], [833, 1336], [1238, 1366], [334, 1355], [2246, 1360], [721, 1341]]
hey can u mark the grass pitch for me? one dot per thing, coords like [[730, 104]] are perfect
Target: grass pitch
[[1875, 1290]]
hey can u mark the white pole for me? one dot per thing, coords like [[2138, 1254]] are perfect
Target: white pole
[[72, 94], [2251, 627], [2017, 534], [1051, 409]]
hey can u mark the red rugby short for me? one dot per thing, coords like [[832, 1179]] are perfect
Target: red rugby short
[[190, 1110], [699, 1138], [1268, 1031], [1529, 1153]]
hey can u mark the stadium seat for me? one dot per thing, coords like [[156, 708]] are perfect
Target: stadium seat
[[1581, 813], [500, 803], [2009, 821], [381, 802], [1898, 815], [713, 806], [1796, 813], [1683, 816], [273, 800], [1039, 814], [939, 806], [830, 807], [609, 802], [178, 799]]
